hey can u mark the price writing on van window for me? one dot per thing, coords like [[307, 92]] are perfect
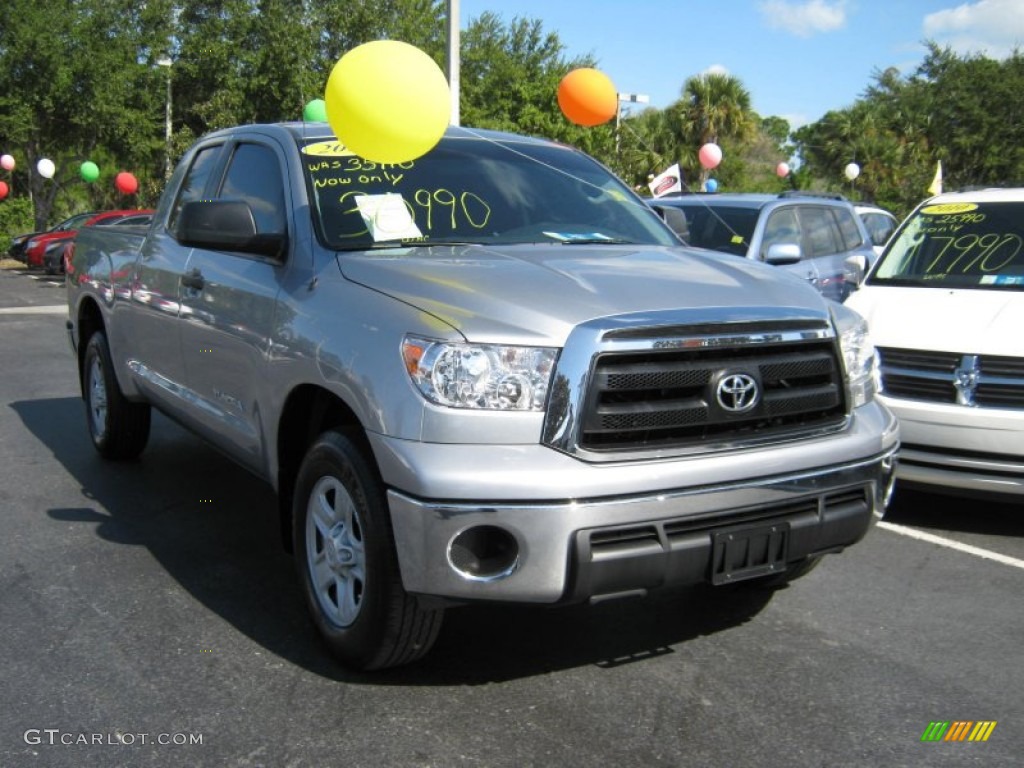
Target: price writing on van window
[[430, 209], [952, 221], [969, 253]]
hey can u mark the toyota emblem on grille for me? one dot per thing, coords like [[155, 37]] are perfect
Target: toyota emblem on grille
[[737, 392]]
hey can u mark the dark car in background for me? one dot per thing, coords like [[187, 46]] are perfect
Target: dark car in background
[[19, 242], [57, 252], [809, 235], [37, 245]]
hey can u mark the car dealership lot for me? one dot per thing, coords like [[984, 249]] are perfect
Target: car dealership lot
[[149, 617]]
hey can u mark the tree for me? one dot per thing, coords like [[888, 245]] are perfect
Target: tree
[[715, 108], [509, 81], [964, 111], [74, 78]]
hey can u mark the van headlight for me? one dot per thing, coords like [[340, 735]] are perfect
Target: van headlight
[[483, 376], [859, 356]]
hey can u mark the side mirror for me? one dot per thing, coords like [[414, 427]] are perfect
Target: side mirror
[[675, 219], [855, 267], [783, 253], [226, 225]]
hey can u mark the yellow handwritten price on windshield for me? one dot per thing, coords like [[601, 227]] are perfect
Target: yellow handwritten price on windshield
[[439, 206], [474, 210], [987, 253]]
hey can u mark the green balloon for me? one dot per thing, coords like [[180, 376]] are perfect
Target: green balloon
[[315, 111], [90, 171]]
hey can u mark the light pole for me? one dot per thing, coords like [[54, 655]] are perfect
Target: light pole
[[165, 61], [453, 58], [629, 98]]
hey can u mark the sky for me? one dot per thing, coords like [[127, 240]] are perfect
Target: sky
[[798, 58]]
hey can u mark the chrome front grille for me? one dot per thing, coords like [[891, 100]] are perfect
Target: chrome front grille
[[634, 392], [986, 381], [642, 400]]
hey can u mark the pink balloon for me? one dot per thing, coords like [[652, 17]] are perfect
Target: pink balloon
[[782, 170], [7, 163], [710, 155]]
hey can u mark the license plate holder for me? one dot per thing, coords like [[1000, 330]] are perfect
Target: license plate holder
[[748, 552]]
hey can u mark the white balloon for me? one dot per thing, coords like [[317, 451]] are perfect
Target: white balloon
[[46, 168], [852, 171]]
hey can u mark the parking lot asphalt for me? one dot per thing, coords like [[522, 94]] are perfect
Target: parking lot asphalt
[[148, 617]]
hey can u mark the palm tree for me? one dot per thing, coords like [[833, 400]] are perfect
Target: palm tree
[[715, 107]]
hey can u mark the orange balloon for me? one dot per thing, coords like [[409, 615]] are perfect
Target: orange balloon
[[588, 97]]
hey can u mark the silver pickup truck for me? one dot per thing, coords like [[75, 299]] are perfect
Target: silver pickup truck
[[492, 373]]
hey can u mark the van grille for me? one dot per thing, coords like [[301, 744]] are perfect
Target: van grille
[[986, 381]]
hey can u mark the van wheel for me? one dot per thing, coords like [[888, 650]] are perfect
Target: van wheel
[[347, 564], [119, 428]]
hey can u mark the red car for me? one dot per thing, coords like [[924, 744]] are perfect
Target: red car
[[36, 247], [19, 242]]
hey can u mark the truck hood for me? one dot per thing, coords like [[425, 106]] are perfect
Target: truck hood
[[942, 319], [531, 293]]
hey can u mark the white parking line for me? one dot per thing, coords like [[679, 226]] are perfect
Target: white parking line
[[943, 542], [48, 309]]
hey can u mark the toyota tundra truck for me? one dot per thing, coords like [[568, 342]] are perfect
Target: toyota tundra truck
[[491, 374]]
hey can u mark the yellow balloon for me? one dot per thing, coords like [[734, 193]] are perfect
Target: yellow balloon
[[387, 101]]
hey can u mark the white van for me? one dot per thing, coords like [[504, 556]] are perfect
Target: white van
[[945, 307]]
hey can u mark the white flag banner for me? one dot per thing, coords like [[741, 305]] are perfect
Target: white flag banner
[[667, 182]]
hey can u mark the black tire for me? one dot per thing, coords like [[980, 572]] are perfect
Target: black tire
[[346, 559], [119, 428]]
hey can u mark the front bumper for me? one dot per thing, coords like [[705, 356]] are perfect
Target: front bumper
[[960, 448], [578, 546]]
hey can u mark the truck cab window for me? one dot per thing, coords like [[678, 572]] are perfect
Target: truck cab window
[[254, 176], [194, 185]]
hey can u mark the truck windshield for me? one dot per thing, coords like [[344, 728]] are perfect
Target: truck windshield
[[474, 189], [958, 245]]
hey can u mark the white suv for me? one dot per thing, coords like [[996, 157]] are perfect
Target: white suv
[[945, 305]]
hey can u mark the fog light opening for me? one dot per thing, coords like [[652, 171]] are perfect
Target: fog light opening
[[484, 553]]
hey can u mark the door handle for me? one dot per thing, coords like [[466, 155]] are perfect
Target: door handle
[[194, 279]]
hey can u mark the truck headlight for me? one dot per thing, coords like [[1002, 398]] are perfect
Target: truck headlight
[[485, 376], [859, 355]]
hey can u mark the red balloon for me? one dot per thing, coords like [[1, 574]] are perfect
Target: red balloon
[[4, 189], [126, 183]]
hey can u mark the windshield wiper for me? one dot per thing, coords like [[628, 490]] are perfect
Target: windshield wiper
[[597, 241], [414, 243]]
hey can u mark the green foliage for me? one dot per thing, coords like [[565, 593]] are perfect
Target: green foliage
[[510, 76], [79, 80], [712, 108], [15, 219], [74, 77], [964, 111]]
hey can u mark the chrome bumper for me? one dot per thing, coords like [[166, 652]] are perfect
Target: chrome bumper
[[560, 552]]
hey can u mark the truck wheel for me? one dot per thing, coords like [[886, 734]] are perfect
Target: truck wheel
[[347, 563], [119, 428]]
